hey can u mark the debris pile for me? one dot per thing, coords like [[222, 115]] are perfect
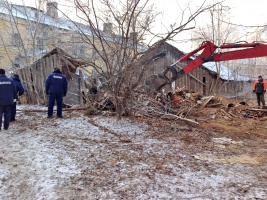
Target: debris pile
[[182, 104]]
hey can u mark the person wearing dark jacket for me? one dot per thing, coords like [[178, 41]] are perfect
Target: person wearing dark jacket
[[20, 91], [259, 87], [8, 96], [56, 86]]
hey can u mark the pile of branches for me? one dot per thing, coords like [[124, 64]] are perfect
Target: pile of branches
[[171, 105], [179, 104]]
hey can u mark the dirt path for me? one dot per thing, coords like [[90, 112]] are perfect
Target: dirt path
[[80, 157]]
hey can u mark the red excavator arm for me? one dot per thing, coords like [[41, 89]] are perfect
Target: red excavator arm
[[248, 50]]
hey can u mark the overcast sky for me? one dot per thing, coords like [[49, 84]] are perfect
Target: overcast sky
[[243, 12]]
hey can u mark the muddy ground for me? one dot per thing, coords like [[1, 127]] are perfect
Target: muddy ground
[[97, 157]]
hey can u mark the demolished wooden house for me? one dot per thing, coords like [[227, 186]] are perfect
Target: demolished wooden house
[[33, 77], [202, 79]]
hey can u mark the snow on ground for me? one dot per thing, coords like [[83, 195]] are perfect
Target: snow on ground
[[98, 157]]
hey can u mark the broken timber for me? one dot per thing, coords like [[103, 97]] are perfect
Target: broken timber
[[257, 109], [207, 100], [177, 117], [227, 114], [64, 109]]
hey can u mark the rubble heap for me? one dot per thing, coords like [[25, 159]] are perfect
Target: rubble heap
[[182, 104]]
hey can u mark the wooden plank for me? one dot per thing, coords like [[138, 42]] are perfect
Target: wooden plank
[[27, 75], [52, 64], [206, 101], [214, 105], [25, 82], [193, 76], [227, 114], [67, 63], [42, 81], [257, 109], [211, 86]]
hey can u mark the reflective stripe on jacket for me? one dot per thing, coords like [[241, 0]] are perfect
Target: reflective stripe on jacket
[[8, 91], [56, 82], [260, 86]]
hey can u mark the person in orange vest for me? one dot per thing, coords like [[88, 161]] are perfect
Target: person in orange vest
[[259, 88]]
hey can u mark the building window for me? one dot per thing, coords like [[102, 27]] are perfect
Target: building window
[[18, 60], [40, 43], [79, 50], [82, 51], [45, 34], [60, 44], [75, 50], [16, 40], [96, 53]]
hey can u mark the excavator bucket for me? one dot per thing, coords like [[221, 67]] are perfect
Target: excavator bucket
[[154, 83]]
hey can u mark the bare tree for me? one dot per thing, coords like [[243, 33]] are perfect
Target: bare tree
[[217, 30], [117, 49], [254, 67]]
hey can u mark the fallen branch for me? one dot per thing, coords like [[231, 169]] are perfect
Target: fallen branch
[[207, 100], [255, 109], [64, 109], [177, 117], [230, 113], [214, 105], [227, 114]]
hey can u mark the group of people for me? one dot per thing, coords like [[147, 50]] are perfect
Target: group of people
[[56, 86]]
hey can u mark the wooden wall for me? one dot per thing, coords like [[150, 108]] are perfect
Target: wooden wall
[[200, 80], [33, 79]]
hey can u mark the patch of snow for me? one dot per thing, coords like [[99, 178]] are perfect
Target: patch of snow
[[97, 157]]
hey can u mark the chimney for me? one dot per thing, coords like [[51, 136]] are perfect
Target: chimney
[[108, 28], [51, 9]]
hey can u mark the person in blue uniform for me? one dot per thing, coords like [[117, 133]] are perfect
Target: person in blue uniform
[[56, 85], [20, 91], [8, 95]]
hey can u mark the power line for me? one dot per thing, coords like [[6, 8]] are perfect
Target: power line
[[245, 26]]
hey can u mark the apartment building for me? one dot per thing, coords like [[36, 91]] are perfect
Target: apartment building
[[27, 33]]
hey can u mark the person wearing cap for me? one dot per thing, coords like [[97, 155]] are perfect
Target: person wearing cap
[[56, 86], [259, 87], [20, 91], [8, 95]]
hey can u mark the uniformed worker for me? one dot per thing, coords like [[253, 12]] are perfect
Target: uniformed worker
[[20, 91], [8, 95], [56, 85]]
